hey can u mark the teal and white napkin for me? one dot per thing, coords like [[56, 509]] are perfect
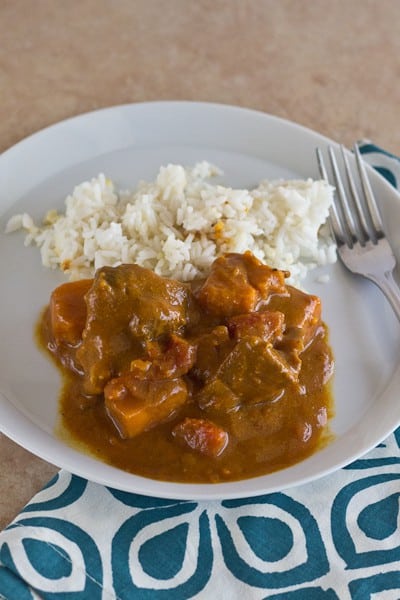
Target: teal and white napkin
[[334, 539]]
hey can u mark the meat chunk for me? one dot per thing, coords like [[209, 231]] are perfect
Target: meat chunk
[[232, 387], [302, 324], [218, 397], [252, 421], [238, 283], [136, 405], [267, 325], [291, 346], [171, 359], [302, 312], [202, 436], [68, 311], [126, 307], [318, 362], [212, 348]]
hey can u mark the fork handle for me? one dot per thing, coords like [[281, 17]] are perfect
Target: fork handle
[[390, 288]]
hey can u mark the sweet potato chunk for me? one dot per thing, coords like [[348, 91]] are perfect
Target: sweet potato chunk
[[68, 311], [237, 283], [136, 405], [202, 436]]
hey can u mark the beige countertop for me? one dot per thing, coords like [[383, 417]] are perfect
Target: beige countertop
[[331, 65]]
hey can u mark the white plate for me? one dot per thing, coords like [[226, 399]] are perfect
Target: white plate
[[129, 143]]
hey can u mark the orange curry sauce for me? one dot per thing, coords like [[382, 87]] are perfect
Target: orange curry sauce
[[219, 380]]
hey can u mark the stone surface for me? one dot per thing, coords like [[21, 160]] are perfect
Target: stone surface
[[331, 66]]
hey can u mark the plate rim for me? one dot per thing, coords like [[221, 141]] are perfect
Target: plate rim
[[226, 490]]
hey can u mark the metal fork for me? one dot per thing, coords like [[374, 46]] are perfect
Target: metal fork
[[357, 226]]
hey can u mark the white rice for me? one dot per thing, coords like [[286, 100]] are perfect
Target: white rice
[[178, 224]]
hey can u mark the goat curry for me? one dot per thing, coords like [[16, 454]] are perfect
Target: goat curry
[[216, 380]]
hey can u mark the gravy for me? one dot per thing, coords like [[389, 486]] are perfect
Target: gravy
[[218, 380]]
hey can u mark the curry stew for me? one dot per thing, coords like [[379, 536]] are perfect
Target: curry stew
[[217, 380]]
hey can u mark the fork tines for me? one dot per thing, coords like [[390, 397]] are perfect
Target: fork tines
[[354, 216]]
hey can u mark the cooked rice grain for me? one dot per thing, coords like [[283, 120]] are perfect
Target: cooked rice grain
[[179, 223]]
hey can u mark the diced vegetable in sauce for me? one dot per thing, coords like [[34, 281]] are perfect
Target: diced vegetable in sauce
[[136, 405], [201, 435], [68, 311], [221, 379]]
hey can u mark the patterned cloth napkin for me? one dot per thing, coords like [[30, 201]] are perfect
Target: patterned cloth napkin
[[334, 539]]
